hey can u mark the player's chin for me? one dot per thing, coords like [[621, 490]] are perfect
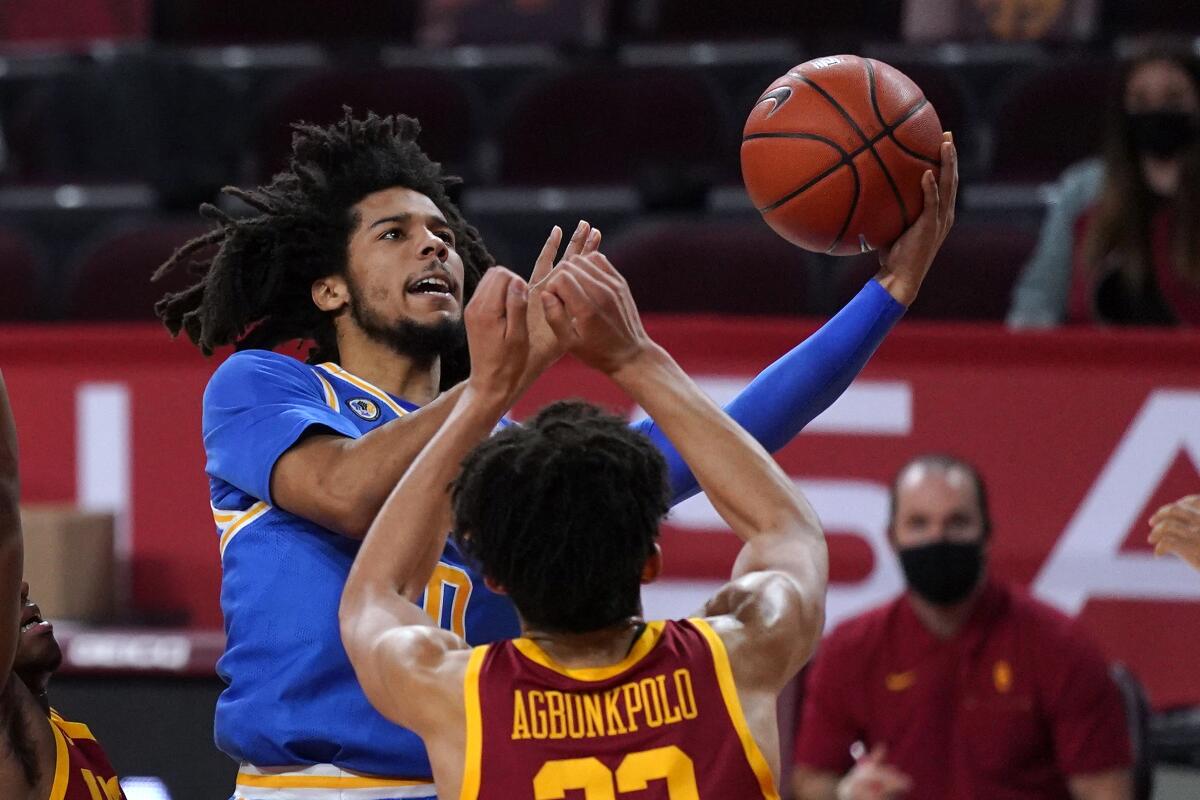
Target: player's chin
[[39, 651]]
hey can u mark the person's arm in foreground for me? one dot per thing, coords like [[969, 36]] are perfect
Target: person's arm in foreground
[[778, 594], [340, 483], [1112, 785], [790, 393], [397, 651], [10, 535]]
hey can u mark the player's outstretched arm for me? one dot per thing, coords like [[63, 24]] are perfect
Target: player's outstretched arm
[[778, 598], [399, 654], [791, 392], [10, 535]]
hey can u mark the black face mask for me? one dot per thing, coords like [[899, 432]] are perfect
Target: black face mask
[[943, 573], [1163, 134]]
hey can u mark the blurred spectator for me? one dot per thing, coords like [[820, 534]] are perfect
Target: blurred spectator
[[964, 687], [553, 22], [1175, 528], [1122, 244], [999, 20]]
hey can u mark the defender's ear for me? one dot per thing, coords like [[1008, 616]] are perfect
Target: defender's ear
[[653, 566]]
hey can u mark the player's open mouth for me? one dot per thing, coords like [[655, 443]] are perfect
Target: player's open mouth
[[33, 622], [433, 285]]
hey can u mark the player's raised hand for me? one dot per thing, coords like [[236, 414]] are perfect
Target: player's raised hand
[[872, 779], [907, 261], [1175, 528], [497, 334], [544, 347], [590, 309]]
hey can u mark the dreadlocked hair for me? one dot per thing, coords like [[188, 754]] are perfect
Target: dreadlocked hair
[[563, 513], [255, 291]]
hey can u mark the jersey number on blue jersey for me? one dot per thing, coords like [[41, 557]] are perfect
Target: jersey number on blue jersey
[[446, 597]]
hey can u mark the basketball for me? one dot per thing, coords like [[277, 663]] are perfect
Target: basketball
[[833, 153]]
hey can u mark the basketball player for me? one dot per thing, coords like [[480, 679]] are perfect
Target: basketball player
[[562, 515], [41, 754], [358, 248]]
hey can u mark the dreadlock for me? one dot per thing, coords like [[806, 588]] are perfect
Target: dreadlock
[[563, 513], [255, 291]]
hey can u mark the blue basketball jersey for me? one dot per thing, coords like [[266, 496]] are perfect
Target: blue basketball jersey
[[292, 698]]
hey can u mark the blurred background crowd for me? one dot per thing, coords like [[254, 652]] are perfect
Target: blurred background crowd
[[1078, 128]]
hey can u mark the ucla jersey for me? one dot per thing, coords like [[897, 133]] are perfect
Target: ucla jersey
[[292, 699]]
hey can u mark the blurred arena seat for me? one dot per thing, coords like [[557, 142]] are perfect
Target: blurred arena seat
[[1123, 18], [1137, 709], [111, 279], [21, 273], [763, 19], [1050, 118], [444, 105], [228, 21], [615, 125], [971, 279], [697, 266]]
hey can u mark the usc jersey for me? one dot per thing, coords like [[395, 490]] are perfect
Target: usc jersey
[[81, 769], [663, 724]]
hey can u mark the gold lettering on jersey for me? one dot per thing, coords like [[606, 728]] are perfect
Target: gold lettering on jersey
[[520, 723], [654, 702]]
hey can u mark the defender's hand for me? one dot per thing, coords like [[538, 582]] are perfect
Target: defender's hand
[[907, 261], [590, 309], [544, 347], [497, 335], [871, 779], [1175, 528]]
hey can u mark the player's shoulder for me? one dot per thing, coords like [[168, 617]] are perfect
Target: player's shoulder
[[247, 370]]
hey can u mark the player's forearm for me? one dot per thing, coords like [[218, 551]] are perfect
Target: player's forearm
[[808, 785], [791, 392], [747, 488], [359, 474], [406, 538]]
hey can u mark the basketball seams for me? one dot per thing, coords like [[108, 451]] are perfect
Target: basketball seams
[[854, 125], [890, 129]]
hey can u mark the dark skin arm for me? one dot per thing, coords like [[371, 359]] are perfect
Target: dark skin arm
[[341, 483], [10, 535]]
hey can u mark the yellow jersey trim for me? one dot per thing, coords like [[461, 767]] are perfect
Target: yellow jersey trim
[[359, 383], [644, 645], [72, 730], [322, 782], [331, 398], [754, 756], [62, 764], [230, 523], [473, 759]]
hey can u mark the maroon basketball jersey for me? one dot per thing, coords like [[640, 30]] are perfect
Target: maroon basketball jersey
[[664, 724], [81, 769]]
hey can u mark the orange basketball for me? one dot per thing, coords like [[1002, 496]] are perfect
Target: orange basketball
[[833, 153]]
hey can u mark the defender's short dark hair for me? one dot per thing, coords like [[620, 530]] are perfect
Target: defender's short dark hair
[[563, 512], [944, 462], [256, 290]]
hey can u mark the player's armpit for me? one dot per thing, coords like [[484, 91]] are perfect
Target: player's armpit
[[770, 624], [412, 674]]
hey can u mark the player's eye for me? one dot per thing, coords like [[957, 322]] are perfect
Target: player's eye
[[446, 236], [392, 234]]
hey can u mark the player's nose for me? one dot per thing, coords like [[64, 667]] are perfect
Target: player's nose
[[434, 245]]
